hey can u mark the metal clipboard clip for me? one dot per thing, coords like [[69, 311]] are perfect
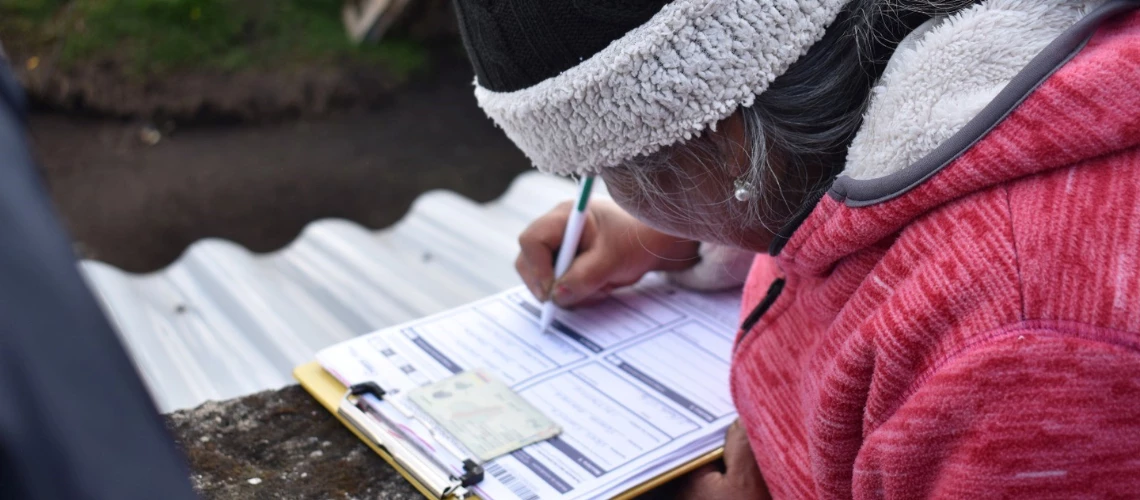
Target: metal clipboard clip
[[427, 469]]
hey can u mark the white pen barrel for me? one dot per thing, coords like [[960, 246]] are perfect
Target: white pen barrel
[[569, 248], [570, 242]]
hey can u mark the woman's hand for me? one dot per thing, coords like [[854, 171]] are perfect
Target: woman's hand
[[616, 250], [740, 479]]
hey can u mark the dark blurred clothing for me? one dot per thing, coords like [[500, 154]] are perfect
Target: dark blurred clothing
[[75, 420]]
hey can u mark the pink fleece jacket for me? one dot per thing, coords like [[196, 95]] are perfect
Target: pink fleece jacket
[[977, 335]]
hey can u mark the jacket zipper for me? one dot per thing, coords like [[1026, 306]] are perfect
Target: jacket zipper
[[753, 317]]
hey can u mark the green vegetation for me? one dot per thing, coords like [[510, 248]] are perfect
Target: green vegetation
[[159, 36]]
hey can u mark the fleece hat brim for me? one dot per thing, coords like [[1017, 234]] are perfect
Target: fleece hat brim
[[692, 64]]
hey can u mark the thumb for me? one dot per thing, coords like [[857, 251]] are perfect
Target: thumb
[[737, 450]]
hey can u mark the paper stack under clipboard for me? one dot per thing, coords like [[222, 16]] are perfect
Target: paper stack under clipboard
[[637, 385]]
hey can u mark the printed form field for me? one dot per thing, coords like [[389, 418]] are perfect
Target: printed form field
[[470, 339], [655, 361], [622, 317], [599, 433]]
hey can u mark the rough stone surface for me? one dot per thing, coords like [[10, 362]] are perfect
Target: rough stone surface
[[280, 444]]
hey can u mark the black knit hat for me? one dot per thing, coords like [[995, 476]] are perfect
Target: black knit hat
[[581, 85], [514, 44]]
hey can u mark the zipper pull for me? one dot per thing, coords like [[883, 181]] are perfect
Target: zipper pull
[[753, 317]]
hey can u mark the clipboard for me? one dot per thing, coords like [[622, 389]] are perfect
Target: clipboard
[[331, 394]]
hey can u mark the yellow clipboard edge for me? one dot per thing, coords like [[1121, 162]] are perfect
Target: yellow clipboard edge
[[328, 391], [670, 475]]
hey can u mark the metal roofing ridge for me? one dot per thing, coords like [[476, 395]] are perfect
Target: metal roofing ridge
[[514, 190], [222, 320]]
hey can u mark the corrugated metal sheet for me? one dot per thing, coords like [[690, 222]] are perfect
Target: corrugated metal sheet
[[222, 322]]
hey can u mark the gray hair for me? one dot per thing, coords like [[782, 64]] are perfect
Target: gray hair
[[796, 134]]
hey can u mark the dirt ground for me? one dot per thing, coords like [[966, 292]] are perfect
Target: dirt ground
[[272, 59], [138, 206]]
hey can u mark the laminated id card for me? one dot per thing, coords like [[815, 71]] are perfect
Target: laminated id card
[[483, 414]]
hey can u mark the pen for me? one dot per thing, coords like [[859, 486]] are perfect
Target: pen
[[569, 247]]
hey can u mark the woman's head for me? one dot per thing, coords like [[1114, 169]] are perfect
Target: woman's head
[[779, 150], [683, 119]]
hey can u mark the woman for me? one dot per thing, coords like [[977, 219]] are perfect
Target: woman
[[938, 200]]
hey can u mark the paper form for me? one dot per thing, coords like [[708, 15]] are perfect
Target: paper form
[[639, 383]]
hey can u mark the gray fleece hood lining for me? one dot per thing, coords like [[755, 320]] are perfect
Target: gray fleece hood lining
[[866, 192]]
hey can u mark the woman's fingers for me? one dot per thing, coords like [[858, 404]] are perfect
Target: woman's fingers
[[738, 451], [741, 472], [537, 246], [589, 273], [703, 483], [615, 250], [741, 477]]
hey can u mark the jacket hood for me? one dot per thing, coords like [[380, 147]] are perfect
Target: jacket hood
[[1077, 99]]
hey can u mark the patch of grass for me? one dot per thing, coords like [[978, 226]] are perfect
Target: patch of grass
[[28, 22], [158, 36], [32, 10]]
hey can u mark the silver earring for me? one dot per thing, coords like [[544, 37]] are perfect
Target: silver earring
[[744, 190]]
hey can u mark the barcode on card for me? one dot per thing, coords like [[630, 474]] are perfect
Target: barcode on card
[[516, 485]]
